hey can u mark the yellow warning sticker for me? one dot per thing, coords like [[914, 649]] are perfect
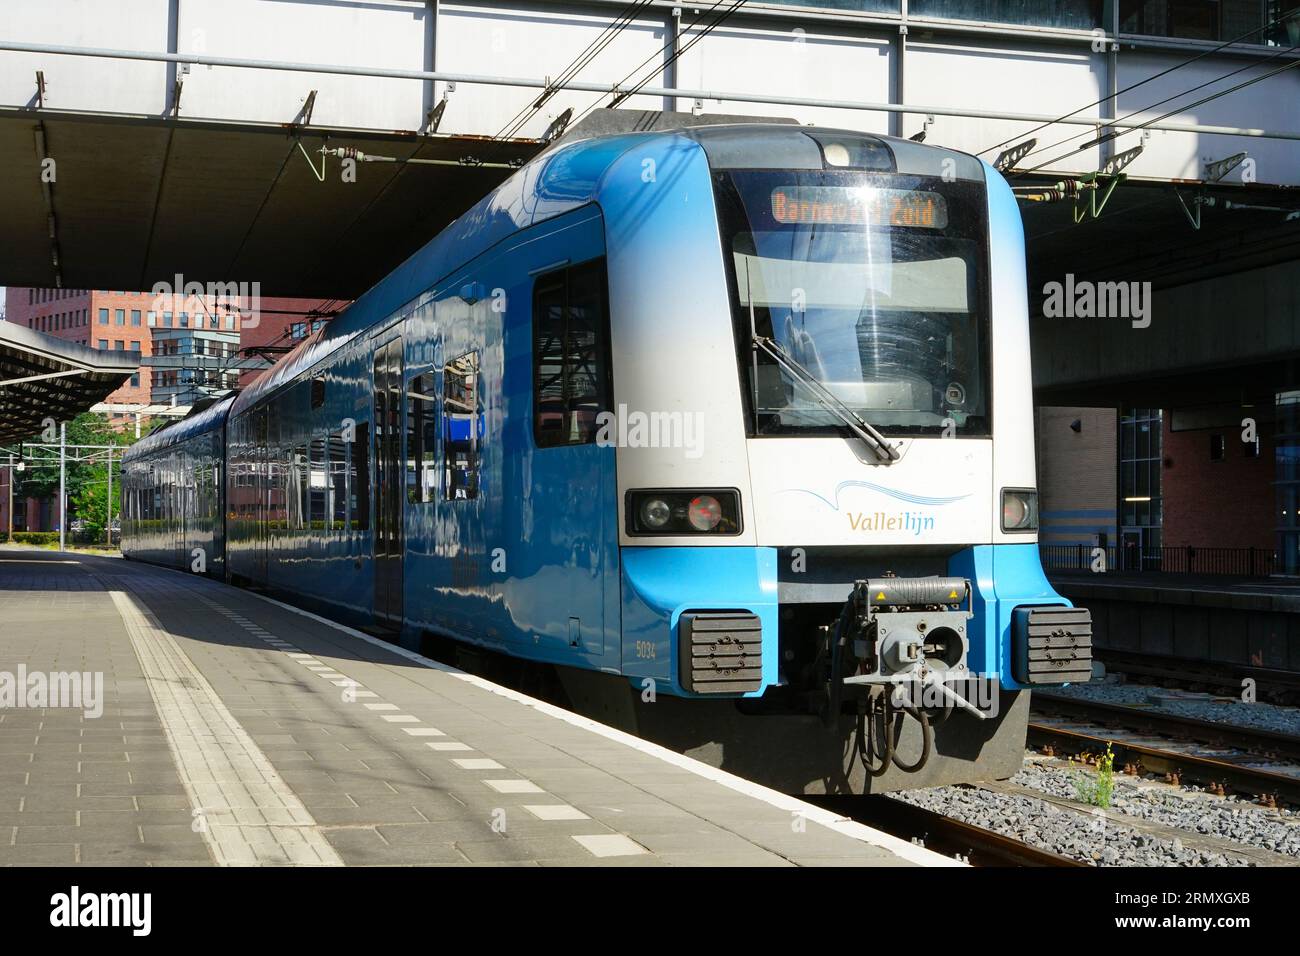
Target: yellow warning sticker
[[880, 596]]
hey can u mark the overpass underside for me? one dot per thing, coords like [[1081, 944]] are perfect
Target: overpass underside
[[122, 202], [1219, 295]]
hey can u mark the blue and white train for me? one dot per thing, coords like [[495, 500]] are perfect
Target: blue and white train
[[729, 428]]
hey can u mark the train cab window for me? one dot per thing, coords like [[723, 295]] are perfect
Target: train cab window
[[462, 427], [359, 479], [570, 349], [421, 439]]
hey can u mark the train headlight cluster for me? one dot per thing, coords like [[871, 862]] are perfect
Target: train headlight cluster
[[1019, 509], [656, 513], [704, 513], [689, 512]]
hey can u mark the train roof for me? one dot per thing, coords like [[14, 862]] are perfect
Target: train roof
[[175, 433], [568, 176]]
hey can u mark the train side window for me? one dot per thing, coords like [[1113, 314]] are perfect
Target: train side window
[[318, 391], [359, 479], [338, 483], [462, 427], [318, 484], [298, 488], [570, 349], [421, 438]]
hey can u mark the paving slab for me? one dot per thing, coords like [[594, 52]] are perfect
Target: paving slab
[[230, 729]]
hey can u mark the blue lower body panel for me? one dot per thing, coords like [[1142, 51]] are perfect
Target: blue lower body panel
[[659, 584], [1003, 577]]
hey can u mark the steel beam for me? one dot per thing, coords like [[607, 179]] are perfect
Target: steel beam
[[656, 91]]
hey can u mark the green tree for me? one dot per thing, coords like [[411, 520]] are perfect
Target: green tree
[[86, 483], [90, 505]]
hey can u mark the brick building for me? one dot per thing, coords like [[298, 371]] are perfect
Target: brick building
[[1218, 487], [98, 319], [1161, 485], [212, 331], [210, 326], [280, 326], [1077, 468]]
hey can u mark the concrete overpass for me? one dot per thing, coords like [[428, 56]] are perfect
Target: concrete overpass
[[154, 137]]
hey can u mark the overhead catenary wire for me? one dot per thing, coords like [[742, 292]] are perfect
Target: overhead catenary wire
[[620, 95], [1114, 134], [1167, 99], [1020, 137], [589, 53], [677, 54]]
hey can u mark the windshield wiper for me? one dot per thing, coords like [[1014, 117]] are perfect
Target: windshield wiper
[[884, 450]]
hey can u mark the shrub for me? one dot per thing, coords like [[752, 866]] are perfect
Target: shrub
[[36, 537]]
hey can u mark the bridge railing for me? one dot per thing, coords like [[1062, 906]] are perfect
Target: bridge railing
[[1242, 562]]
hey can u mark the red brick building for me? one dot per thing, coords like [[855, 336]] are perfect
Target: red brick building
[[135, 321], [281, 325], [151, 325], [1206, 465]]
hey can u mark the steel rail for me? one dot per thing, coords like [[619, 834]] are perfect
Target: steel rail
[[1243, 779], [1254, 739], [943, 834]]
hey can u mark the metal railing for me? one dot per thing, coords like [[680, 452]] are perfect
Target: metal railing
[[1242, 562]]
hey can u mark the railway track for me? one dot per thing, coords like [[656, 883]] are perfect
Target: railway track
[[1238, 771], [1266, 743], [1278, 686], [942, 834]]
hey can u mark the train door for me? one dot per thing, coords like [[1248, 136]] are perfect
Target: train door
[[572, 474], [389, 474]]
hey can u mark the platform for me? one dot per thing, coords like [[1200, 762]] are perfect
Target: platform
[[1204, 590], [235, 730], [1252, 622]]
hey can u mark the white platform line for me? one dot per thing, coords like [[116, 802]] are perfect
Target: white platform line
[[514, 786], [610, 844], [555, 811], [251, 816], [793, 805]]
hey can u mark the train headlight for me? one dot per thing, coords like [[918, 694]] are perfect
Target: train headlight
[[704, 512], [661, 511], [1019, 509], [655, 513]]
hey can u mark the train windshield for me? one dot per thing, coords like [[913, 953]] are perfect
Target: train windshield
[[876, 284]]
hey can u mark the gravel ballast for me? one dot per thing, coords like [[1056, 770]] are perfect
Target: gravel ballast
[[1104, 840], [1181, 703]]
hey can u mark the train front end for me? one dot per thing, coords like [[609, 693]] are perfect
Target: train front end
[[828, 514]]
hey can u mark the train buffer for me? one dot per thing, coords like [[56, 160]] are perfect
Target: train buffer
[[149, 716]]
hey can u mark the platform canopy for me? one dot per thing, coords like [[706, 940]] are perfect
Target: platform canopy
[[42, 377], [136, 200]]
